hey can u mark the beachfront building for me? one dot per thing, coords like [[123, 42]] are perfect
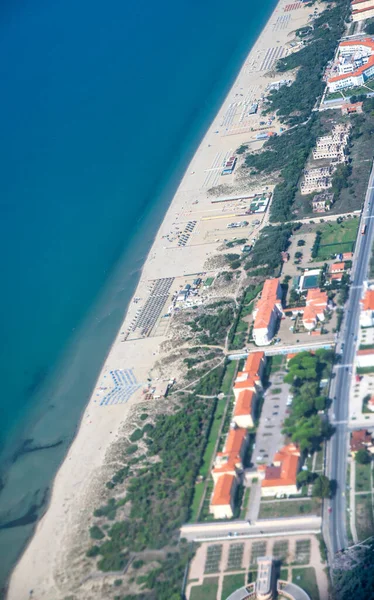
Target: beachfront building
[[230, 460], [223, 499], [322, 202], [362, 9], [279, 479], [367, 309], [355, 64], [317, 302], [247, 383], [226, 473], [267, 313]]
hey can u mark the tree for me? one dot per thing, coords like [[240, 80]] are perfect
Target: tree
[[322, 487], [304, 478], [363, 457], [298, 255], [301, 243]]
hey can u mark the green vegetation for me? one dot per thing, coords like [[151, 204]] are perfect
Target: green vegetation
[[197, 497], [96, 533], [305, 577], [358, 581], [206, 591], [362, 457], [238, 333], [212, 328], [280, 550], [363, 478], [322, 487], [289, 508], [268, 248], [212, 438], [304, 425], [335, 238], [364, 516], [295, 103], [246, 497], [302, 552], [230, 584]]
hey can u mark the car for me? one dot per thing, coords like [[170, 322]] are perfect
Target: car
[[329, 509], [275, 413], [276, 405]]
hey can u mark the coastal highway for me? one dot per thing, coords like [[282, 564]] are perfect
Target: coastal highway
[[335, 510], [224, 530]]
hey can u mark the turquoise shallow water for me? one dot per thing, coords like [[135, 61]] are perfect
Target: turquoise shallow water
[[102, 106]]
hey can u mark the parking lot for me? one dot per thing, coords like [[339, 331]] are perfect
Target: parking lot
[[269, 438]]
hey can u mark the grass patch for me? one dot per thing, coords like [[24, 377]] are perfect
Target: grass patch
[[364, 370], [337, 238], [231, 583], [289, 508], [276, 391], [197, 496], [208, 281], [306, 579], [364, 517], [258, 549], [212, 438], [363, 478], [228, 377], [246, 496], [207, 591]]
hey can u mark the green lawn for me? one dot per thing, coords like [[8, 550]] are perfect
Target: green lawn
[[209, 281], [212, 439], [231, 583], [246, 496], [306, 579], [228, 377], [206, 591], [364, 517], [283, 574], [319, 461], [337, 237], [289, 508], [198, 494], [363, 479]]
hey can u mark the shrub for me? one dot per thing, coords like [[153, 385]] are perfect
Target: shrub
[[96, 533]]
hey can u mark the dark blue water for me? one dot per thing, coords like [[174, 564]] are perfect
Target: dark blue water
[[101, 107]]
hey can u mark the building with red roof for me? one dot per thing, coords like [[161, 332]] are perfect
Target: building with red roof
[[360, 440], [267, 312], [362, 9], [356, 60], [279, 479], [367, 309], [222, 501]]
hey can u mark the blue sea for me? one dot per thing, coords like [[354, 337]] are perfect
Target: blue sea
[[102, 106]]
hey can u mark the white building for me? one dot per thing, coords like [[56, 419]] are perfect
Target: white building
[[355, 66]]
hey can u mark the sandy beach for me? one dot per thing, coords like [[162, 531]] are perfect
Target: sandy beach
[[193, 230]]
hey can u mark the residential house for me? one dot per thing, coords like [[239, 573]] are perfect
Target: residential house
[[279, 479], [360, 440], [355, 107], [267, 313], [223, 498], [367, 309], [317, 303], [365, 358]]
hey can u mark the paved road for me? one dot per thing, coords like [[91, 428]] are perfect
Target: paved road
[[336, 456], [222, 530]]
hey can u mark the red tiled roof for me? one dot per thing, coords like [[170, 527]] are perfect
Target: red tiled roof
[[285, 472], [365, 42], [223, 491], [337, 267], [360, 438], [368, 300], [235, 440], [366, 351], [253, 363], [266, 304], [336, 276], [244, 403]]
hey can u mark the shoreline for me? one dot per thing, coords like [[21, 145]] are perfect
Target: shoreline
[[100, 426]]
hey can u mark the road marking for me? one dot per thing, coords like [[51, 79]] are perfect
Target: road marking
[[356, 287], [371, 217], [342, 366], [340, 423]]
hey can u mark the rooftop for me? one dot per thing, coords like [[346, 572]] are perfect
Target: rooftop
[[368, 300], [284, 469], [223, 491], [244, 403]]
